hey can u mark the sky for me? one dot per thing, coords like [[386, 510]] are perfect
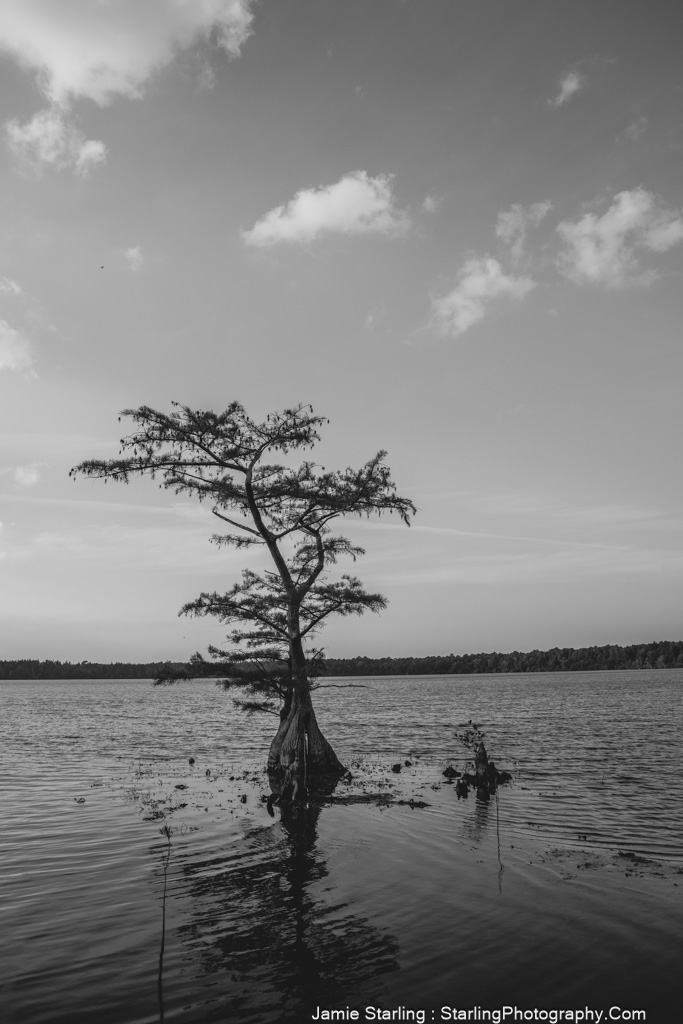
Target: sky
[[455, 229]]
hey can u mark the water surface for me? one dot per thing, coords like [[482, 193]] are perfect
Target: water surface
[[540, 898]]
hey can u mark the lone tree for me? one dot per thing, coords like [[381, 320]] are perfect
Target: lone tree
[[225, 458]]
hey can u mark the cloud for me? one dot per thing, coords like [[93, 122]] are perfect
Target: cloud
[[480, 281], [26, 476], [134, 258], [513, 224], [568, 86], [81, 49], [50, 139], [98, 51], [9, 287], [357, 204], [635, 129], [608, 250], [375, 317], [15, 351], [430, 204]]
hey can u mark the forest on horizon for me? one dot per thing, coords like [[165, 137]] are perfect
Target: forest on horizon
[[660, 654]]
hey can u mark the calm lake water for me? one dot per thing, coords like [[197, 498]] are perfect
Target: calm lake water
[[564, 892]]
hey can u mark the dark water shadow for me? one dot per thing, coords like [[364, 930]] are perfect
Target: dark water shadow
[[266, 938]]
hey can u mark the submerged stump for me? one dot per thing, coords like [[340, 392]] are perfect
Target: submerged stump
[[486, 777]]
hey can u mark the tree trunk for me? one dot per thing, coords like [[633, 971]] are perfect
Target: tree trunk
[[299, 746], [299, 737]]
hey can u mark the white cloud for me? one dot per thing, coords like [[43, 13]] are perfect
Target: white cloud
[[568, 86], [9, 287], [375, 316], [134, 258], [513, 224], [636, 128], [663, 234], [15, 351], [81, 49], [480, 281], [26, 476], [430, 204], [608, 250], [90, 153], [357, 204], [48, 138]]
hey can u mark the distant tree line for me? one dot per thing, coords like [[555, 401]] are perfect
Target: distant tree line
[[663, 654], [29, 668]]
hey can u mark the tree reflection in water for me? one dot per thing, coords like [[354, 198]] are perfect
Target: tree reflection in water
[[271, 941], [476, 822], [476, 825]]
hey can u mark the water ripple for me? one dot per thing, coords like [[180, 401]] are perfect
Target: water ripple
[[261, 915]]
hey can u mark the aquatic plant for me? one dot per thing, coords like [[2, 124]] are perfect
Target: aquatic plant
[[481, 774]]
